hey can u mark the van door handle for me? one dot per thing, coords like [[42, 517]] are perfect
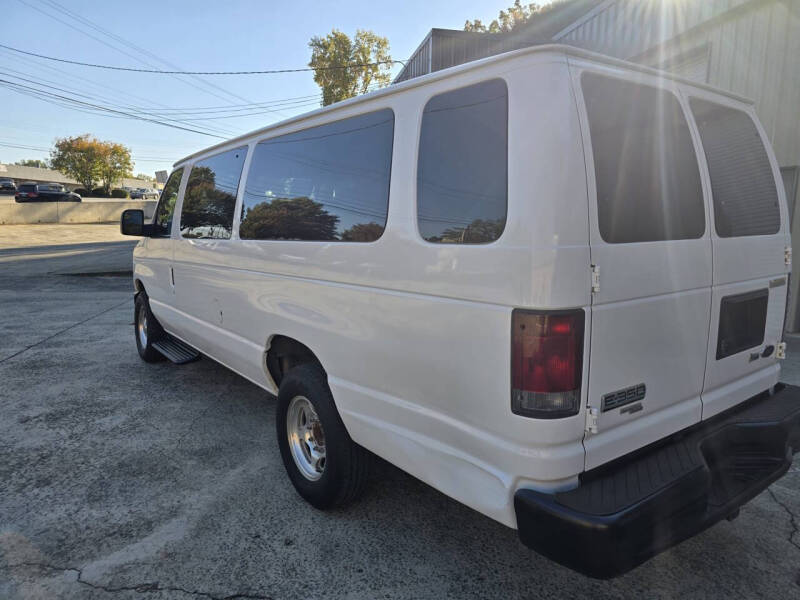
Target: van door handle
[[172, 276]]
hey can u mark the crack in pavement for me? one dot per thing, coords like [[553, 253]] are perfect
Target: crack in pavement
[[140, 588], [179, 443], [792, 519], [56, 334]]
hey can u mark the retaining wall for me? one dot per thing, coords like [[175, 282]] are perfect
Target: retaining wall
[[70, 212]]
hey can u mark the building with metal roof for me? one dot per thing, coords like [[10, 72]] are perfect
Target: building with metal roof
[[443, 48]]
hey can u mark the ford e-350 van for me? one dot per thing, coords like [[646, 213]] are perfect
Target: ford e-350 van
[[550, 284]]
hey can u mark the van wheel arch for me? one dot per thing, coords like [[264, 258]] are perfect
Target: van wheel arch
[[284, 353]]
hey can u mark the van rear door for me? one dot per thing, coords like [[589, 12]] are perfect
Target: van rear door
[[651, 252], [751, 253]]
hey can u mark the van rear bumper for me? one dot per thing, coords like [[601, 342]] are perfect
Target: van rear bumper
[[627, 511]]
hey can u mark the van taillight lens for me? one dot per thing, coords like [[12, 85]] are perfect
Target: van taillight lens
[[546, 363]]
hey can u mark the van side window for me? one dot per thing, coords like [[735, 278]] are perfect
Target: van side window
[[462, 171], [162, 222], [327, 183], [210, 197], [645, 166], [742, 183]]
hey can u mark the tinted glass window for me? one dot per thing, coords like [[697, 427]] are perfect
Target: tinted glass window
[[648, 179], [27, 187], [462, 173], [742, 183], [326, 183], [162, 220], [210, 196]]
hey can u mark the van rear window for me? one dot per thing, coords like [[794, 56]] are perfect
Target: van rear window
[[648, 179], [742, 182], [462, 172]]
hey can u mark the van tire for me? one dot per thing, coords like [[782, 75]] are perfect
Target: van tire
[[346, 463], [153, 329]]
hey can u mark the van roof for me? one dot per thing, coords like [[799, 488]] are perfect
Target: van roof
[[452, 71]]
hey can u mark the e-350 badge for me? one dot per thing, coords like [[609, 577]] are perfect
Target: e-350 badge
[[613, 400]]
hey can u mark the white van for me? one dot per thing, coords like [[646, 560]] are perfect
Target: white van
[[550, 284]]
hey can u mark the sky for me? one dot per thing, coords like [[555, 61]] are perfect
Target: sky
[[199, 35]]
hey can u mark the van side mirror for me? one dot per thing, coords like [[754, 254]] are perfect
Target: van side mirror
[[132, 223]]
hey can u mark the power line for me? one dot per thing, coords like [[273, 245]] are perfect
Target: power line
[[98, 95], [136, 159], [24, 147], [37, 93], [60, 100], [158, 113], [160, 72], [138, 49], [232, 110], [84, 82], [16, 86], [106, 43], [245, 106]]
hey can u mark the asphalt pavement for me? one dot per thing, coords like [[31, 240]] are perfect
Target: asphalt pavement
[[121, 479]]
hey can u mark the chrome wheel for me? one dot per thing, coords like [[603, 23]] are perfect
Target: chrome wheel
[[141, 326], [306, 438]]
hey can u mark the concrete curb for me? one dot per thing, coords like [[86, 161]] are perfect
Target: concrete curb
[[70, 212]]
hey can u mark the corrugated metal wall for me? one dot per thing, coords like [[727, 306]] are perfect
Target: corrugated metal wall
[[449, 51], [753, 49], [626, 28], [443, 49], [419, 64]]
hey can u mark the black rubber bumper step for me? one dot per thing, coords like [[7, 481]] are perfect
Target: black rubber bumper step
[[176, 350], [623, 513]]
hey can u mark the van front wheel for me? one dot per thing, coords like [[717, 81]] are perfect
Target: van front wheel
[[326, 467], [147, 329]]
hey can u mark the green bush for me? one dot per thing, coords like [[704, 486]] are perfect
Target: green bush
[[118, 193], [99, 193], [81, 191]]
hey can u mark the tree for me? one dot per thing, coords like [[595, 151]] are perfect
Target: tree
[[33, 162], [508, 20], [479, 231], [363, 232], [89, 160], [366, 49], [205, 206], [80, 157], [115, 163], [289, 219]]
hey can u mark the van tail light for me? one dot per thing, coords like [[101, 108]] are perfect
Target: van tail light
[[32, 195], [546, 363]]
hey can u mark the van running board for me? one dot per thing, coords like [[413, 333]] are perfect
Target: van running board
[[175, 350]]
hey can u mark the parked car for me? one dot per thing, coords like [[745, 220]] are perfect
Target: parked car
[[45, 192], [144, 194], [549, 283], [7, 186]]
